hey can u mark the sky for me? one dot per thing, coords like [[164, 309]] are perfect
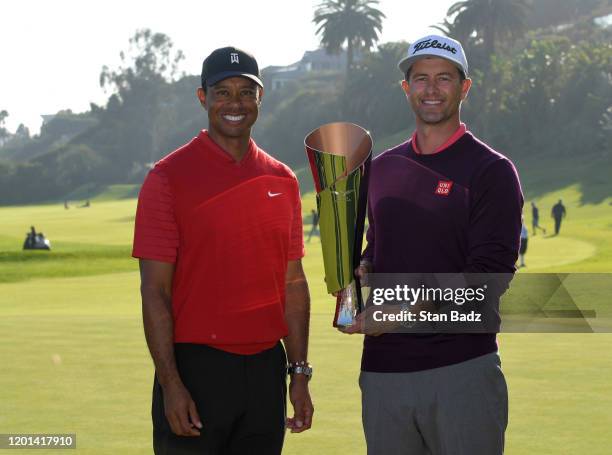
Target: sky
[[52, 52]]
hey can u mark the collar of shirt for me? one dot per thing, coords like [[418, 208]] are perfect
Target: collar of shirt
[[451, 140], [220, 153]]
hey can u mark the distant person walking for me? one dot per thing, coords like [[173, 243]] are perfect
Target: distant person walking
[[558, 212], [535, 219], [523, 246], [315, 223]]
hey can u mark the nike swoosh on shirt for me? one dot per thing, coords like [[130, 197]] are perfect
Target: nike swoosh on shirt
[[270, 194]]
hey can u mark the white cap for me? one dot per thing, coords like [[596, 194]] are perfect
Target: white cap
[[435, 46]]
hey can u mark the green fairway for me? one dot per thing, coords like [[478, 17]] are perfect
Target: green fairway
[[585, 240], [85, 241], [75, 359]]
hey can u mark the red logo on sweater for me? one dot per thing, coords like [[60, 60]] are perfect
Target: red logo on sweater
[[444, 187]]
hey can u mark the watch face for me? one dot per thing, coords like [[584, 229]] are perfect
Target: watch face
[[301, 369]]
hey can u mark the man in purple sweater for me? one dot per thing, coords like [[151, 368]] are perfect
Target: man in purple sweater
[[445, 202]]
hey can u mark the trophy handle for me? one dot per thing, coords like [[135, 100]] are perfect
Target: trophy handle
[[350, 300]]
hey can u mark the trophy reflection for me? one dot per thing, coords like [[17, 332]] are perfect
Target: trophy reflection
[[340, 155]]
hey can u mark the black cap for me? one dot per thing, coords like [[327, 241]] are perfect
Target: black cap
[[229, 62]]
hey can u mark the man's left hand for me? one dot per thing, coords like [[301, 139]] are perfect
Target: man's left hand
[[302, 404], [366, 325]]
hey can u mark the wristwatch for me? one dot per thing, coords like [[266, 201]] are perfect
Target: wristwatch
[[300, 368]]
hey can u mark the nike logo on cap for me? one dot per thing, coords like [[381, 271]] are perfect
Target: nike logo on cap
[[271, 194]]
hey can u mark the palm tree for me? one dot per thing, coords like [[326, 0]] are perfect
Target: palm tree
[[491, 20], [452, 29], [356, 22]]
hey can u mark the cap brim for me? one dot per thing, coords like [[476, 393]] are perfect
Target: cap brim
[[405, 64], [219, 77]]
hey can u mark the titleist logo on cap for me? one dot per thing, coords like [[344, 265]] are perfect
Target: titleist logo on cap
[[433, 44]]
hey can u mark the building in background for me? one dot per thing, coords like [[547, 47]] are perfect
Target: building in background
[[276, 77]]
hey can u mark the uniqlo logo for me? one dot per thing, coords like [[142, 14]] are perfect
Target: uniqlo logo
[[444, 187]]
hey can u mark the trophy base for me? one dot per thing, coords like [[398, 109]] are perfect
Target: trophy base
[[347, 307]]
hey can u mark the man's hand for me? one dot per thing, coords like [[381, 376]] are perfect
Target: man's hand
[[362, 271], [181, 411], [365, 323], [297, 315], [360, 326], [156, 290], [302, 404]]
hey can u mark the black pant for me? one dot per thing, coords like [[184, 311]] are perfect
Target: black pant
[[241, 400], [557, 225]]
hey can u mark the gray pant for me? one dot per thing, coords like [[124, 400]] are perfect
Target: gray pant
[[460, 409]]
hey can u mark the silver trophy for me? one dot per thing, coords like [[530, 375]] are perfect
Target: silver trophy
[[340, 155]]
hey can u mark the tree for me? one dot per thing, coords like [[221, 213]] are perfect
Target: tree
[[20, 139], [490, 20], [4, 134], [549, 13], [356, 22], [151, 57], [65, 125], [448, 28], [22, 132], [380, 104], [77, 165], [140, 109]]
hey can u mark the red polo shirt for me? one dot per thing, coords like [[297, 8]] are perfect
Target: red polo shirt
[[230, 228]]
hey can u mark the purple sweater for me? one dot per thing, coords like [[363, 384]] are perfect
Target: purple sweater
[[419, 225]]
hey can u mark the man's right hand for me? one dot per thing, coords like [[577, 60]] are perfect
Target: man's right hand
[[180, 410], [362, 271]]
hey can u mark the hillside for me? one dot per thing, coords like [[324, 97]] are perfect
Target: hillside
[[542, 99]]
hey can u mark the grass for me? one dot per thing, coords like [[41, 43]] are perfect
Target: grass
[[66, 260], [584, 243], [75, 359], [100, 193], [85, 241]]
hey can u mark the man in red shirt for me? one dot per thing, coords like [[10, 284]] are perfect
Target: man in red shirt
[[219, 237]]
